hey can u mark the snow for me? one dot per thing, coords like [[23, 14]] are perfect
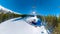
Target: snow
[[7, 10], [31, 19], [20, 27]]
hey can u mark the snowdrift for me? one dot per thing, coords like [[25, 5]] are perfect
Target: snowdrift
[[20, 27]]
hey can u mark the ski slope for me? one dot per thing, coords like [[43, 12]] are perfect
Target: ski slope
[[20, 27]]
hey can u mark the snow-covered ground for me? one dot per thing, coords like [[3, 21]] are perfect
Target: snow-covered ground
[[20, 27]]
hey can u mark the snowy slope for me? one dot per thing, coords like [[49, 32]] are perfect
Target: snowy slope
[[5, 10], [20, 27]]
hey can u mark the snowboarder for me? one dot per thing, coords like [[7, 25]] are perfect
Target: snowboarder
[[38, 23]]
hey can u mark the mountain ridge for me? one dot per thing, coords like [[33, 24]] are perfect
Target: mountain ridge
[[5, 10]]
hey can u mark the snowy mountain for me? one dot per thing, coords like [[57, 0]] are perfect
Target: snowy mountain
[[5, 10]]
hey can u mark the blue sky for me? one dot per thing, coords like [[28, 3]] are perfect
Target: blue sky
[[43, 7]]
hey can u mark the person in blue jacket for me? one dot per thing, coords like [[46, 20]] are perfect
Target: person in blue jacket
[[38, 23]]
